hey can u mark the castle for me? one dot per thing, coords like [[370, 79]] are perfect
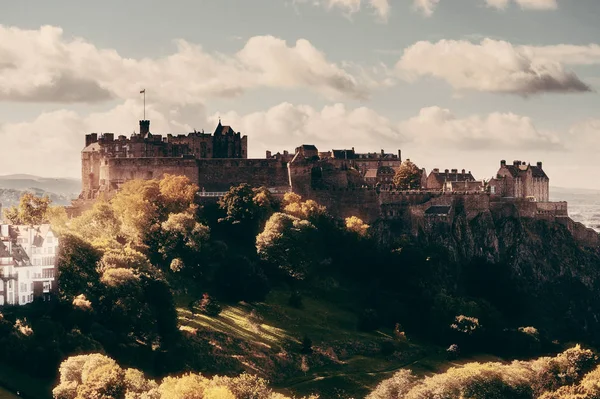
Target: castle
[[347, 182]]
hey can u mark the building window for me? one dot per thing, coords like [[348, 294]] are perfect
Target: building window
[[493, 189], [23, 287]]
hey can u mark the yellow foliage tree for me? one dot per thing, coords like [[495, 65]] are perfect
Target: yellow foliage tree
[[356, 225], [408, 176]]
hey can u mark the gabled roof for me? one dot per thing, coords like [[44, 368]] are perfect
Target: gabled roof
[[371, 173], [536, 171], [343, 154], [308, 147], [92, 147], [438, 210], [442, 177]]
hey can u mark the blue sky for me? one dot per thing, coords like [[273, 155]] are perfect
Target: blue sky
[[463, 85]]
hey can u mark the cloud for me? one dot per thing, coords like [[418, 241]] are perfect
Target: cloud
[[440, 128], [525, 4], [427, 7], [491, 66], [51, 144], [42, 65], [381, 8]]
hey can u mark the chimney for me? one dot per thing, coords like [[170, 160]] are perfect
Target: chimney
[[539, 165], [436, 170], [502, 163], [108, 137], [454, 170], [285, 152], [268, 154], [463, 171], [446, 171], [516, 163], [400, 155], [352, 148], [382, 153], [144, 128]]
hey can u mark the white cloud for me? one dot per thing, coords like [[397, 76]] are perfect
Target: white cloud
[[51, 144], [439, 127], [427, 7], [42, 65], [381, 8], [492, 66]]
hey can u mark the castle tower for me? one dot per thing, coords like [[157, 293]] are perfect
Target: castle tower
[[144, 128]]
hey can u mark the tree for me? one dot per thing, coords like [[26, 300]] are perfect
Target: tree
[[357, 226], [408, 176], [240, 279], [288, 243], [32, 210], [76, 263], [99, 225], [178, 193]]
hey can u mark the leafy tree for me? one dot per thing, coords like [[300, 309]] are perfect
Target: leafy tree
[[288, 243], [243, 203], [76, 263], [182, 234], [357, 226], [32, 210], [99, 225], [136, 206], [240, 279], [408, 176], [178, 194]]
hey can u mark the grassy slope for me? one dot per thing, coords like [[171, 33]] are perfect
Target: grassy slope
[[327, 318]]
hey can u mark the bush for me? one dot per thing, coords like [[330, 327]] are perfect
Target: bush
[[209, 306], [452, 352], [306, 345], [295, 300], [368, 320]]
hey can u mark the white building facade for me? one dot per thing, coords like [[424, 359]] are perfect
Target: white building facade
[[27, 263]]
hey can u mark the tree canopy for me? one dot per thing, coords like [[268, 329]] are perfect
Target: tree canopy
[[408, 176]]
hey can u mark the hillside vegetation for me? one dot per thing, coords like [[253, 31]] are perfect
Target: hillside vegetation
[[168, 294]]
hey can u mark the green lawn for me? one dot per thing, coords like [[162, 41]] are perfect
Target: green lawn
[[355, 364]]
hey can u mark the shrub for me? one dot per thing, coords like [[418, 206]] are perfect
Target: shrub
[[368, 320], [306, 345], [209, 306], [452, 352], [295, 300]]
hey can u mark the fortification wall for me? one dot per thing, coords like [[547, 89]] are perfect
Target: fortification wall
[[221, 174], [348, 202], [116, 171], [585, 235]]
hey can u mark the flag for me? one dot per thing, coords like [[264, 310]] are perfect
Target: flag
[[142, 91]]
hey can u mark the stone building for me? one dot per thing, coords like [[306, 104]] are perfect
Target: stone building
[[103, 160], [521, 180], [451, 180], [27, 263]]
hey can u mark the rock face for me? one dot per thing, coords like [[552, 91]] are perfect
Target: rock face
[[536, 271]]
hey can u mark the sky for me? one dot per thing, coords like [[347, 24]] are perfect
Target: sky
[[454, 84]]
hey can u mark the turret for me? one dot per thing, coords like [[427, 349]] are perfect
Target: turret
[[144, 128], [502, 163]]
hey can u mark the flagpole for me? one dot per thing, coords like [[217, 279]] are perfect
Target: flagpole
[[144, 104]]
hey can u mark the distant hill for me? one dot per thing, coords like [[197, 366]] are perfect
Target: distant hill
[[60, 190]]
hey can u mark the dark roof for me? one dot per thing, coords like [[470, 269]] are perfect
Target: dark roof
[[442, 177], [536, 171], [438, 210], [343, 154], [309, 147], [224, 129], [386, 170]]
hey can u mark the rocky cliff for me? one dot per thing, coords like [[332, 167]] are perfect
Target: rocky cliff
[[535, 271]]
